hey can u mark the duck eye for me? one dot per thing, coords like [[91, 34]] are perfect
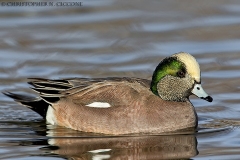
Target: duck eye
[[180, 74]]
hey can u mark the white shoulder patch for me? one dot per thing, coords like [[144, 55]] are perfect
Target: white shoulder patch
[[100, 150], [99, 105]]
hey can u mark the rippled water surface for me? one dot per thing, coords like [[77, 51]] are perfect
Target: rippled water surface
[[120, 38]]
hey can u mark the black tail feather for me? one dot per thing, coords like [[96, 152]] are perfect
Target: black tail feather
[[36, 104]]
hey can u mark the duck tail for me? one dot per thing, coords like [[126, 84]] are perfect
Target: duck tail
[[34, 103]]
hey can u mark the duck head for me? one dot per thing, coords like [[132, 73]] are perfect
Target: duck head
[[177, 77]]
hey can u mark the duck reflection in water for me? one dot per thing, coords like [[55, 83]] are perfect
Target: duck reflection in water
[[68, 145]]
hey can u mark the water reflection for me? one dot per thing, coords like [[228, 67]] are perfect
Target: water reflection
[[60, 142], [55, 141], [142, 147]]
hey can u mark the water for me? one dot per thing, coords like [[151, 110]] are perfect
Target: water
[[117, 38]]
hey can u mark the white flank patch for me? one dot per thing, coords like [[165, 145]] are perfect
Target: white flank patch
[[99, 105], [51, 141], [50, 116]]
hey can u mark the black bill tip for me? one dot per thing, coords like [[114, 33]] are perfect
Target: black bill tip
[[208, 98]]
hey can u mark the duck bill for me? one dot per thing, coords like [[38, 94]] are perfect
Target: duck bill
[[199, 92]]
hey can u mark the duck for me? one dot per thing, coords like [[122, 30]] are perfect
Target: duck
[[126, 105]]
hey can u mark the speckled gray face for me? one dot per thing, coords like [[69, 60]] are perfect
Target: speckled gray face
[[174, 88]]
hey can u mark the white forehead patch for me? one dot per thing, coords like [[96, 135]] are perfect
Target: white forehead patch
[[192, 65], [99, 105]]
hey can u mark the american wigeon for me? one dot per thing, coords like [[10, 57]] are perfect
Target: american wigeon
[[122, 105]]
